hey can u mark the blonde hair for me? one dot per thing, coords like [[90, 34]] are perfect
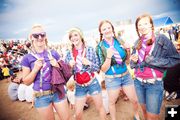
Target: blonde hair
[[37, 25], [33, 27], [75, 29], [30, 35]]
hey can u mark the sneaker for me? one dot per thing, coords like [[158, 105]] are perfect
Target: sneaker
[[54, 110], [171, 96], [165, 94], [175, 96], [86, 106], [108, 113]]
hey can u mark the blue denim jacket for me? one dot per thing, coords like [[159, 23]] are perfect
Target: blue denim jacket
[[163, 56]]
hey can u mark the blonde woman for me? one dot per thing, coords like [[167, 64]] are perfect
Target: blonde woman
[[36, 67], [84, 61]]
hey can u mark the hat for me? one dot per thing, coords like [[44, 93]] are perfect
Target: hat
[[77, 30]]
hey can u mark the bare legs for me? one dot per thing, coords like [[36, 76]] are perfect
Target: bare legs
[[79, 105], [129, 90], [46, 113]]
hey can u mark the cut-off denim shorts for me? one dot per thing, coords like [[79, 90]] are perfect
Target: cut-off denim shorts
[[151, 95], [115, 83], [93, 89], [46, 100]]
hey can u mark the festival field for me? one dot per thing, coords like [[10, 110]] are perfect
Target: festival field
[[22, 110]]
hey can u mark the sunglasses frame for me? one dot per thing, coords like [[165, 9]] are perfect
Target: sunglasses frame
[[36, 35]]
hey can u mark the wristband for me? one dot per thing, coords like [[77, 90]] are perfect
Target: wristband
[[21, 80], [108, 58], [35, 71]]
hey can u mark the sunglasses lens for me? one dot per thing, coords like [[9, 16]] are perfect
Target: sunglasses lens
[[42, 35], [36, 35]]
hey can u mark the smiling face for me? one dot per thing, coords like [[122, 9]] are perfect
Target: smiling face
[[38, 37], [106, 30], [75, 38], [144, 26]]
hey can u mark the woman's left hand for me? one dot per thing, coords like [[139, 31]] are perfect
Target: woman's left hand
[[85, 61], [126, 45], [53, 62], [134, 58]]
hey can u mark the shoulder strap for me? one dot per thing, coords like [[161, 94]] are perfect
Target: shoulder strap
[[121, 41], [50, 54], [32, 53], [41, 72], [104, 53], [84, 52], [150, 52], [74, 53], [152, 70], [103, 48]]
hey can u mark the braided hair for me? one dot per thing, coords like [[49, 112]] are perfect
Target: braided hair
[[100, 25], [150, 41]]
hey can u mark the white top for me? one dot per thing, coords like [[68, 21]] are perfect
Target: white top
[[71, 96], [105, 100]]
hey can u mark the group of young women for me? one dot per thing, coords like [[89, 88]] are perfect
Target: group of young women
[[151, 55]]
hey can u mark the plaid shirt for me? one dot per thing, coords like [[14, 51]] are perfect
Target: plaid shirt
[[91, 56]]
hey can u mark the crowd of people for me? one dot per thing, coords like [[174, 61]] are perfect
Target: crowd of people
[[171, 32], [11, 54], [150, 57]]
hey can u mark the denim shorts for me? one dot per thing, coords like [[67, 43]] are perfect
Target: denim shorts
[[150, 94], [93, 89], [114, 83], [46, 100]]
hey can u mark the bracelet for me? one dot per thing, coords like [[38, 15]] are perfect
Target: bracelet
[[21, 80], [108, 58], [35, 71]]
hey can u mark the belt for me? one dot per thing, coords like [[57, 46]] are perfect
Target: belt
[[118, 75], [86, 84], [152, 81], [42, 93]]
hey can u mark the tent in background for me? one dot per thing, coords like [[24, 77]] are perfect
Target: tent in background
[[163, 21]]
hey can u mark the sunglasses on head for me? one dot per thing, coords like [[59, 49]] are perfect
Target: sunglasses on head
[[36, 35]]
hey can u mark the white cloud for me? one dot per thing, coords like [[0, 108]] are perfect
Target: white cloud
[[20, 31], [59, 15], [165, 14]]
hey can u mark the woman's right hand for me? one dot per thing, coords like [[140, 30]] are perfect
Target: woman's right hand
[[38, 64], [110, 52], [134, 58], [72, 63]]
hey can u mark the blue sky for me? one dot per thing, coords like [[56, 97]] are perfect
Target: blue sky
[[17, 16]]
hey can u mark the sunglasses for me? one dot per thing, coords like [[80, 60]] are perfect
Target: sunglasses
[[36, 35]]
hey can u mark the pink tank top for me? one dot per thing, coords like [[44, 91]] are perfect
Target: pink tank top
[[147, 73]]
